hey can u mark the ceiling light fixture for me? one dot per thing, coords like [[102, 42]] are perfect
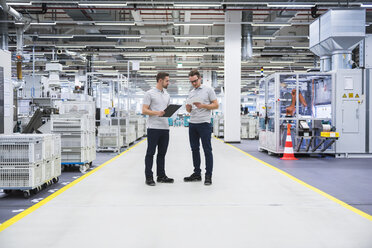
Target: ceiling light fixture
[[299, 47], [197, 4], [128, 47], [115, 23], [42, 23], [70, 46], [286, 5], [263, 37], [19, 3], [124, 37], [192, 24], [56, 36], [268, 24], [99, 4], [102, 66], [191, 37], [190, 47], [281, 61]]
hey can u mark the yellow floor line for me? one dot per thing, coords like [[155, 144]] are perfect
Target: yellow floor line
[[355, 210], [31, 209]]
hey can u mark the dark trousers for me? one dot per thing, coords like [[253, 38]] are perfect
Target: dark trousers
[[196, 132], [156, 138]]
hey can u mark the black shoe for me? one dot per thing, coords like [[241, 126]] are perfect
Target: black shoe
[[150, 182], [164, 179], [208, 180], [193, 178]]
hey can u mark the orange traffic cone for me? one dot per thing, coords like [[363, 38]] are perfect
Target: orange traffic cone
[[288, 149]]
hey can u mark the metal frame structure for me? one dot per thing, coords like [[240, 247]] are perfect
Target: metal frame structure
[[273, 122]]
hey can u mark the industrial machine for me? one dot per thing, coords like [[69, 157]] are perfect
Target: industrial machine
[[328, 111], [6, 93]]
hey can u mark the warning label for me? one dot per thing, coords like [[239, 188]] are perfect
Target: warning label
[[344, 96], [351, 95], [356, 96]]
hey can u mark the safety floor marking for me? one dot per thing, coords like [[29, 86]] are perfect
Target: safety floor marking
[[332, 198], [31, 209]]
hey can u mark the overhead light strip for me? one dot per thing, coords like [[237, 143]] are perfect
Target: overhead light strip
[[123, 37], [19, 3], [263, 24], [191, 37], [263, 37], [190, 47], [297, 5], [71, 46], [128, 47], [39, 23], [197, 4], [56, 36], [192, 24], [100, 4], [115, 23]]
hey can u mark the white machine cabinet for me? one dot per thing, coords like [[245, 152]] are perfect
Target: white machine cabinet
[[326, 111]]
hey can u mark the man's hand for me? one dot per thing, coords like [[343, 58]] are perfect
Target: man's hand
[[188, 107], [160, 113], [198, 105]]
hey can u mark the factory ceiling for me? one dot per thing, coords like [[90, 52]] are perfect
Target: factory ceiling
[[172, 36]]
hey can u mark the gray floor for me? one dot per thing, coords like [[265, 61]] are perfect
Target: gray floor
[[14, 203], [346, 179], [249, 205]]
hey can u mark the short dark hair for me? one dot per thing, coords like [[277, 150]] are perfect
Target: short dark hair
[[161, 75], [194, 72]]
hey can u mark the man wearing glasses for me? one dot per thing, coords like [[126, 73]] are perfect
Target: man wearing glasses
[[201, 100]]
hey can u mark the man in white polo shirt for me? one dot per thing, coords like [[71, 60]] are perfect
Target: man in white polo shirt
[[155, 101], [203, 99]]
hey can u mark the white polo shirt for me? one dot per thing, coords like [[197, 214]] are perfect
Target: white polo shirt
[[207, 95], [158, 100]]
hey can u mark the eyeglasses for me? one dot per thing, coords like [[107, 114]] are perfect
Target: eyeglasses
[[196, 80]]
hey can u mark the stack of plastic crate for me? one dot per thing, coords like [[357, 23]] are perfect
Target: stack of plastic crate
[[76, 124], [110, 138], [218, 125], [29, 161], [127, 130], [138, 122], [249, 126], [77, 138], [244, 127], [130, 134]]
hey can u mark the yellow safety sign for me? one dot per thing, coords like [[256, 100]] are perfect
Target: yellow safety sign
[[356, 96], [344, 96], [351, 95], [107, 111], [330, 134]]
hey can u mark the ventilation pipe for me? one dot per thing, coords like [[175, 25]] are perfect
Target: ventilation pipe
[[73, 54], [20, 30], [18, 16], [336, 33], [247, 48], [3, 31], [176, 18]]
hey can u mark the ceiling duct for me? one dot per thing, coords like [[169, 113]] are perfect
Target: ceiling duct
[[176, 18], [3, 30], [247, 48], [315, 46], [339, 32]]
